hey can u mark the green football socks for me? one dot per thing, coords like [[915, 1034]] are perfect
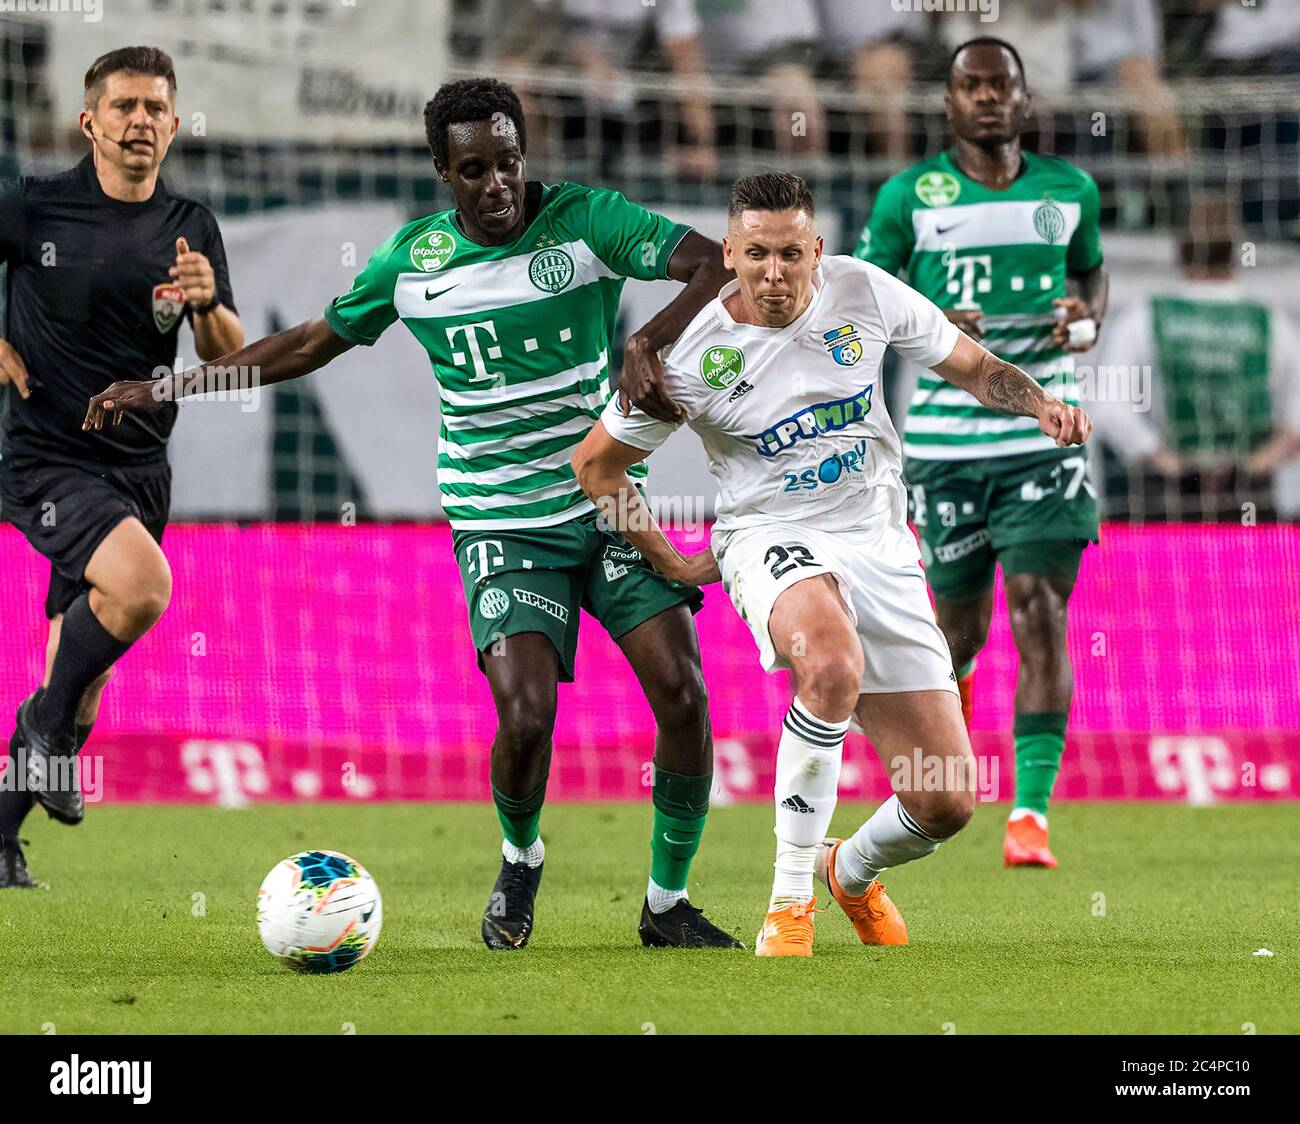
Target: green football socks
[[681, 806], [1039, 742], [520, 819]]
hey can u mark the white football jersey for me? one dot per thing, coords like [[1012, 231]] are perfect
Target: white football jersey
[[793, 419]]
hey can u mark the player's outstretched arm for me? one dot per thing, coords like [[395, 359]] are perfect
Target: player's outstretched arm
[[1006, 388], [600, 464], [286, 355], [697, 261]]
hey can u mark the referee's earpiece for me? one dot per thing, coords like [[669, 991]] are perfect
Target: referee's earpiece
[[89, 131]]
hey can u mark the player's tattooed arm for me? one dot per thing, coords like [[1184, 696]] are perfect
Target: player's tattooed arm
[[286, 355], [697, 261], [1004, 387], [1007, 388], [600, 463]]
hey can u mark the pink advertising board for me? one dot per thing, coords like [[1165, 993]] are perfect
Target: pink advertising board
[[331, 662]]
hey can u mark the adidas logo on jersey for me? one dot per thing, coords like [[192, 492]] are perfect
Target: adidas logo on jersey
[[742, 388], [797, 803]]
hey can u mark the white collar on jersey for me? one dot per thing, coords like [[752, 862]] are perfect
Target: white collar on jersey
[[796, 326]]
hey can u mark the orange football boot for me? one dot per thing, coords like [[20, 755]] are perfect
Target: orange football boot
[[966, 689], [1026, 844], [875, 917], [788, 931]]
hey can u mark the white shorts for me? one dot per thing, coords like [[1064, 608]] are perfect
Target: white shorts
[[879, 577]]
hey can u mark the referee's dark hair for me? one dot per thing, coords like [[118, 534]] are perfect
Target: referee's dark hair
[[470, 99], [989, 41], [770, 191], [134, 60]]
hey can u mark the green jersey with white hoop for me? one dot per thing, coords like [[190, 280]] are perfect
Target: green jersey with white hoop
[[519, 337], [1006, 253]]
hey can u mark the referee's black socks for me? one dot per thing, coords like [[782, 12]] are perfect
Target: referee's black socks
[[15, 803], [86, 650]]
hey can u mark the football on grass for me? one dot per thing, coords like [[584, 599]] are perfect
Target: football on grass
[[319, 911]]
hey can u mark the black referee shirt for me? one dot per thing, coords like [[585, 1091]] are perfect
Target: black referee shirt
[[90, 302]]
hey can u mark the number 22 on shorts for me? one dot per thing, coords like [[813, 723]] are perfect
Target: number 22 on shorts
[[783, 559]]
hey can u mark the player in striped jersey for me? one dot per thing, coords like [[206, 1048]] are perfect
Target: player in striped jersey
[[995, 237], [514, 294]]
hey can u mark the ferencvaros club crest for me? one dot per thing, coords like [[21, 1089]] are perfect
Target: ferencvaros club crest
[[168, 304]]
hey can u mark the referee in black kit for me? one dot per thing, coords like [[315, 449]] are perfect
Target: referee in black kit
[[104, 264]]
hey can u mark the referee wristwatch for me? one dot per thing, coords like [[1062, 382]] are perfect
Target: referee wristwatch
[[211, 306]]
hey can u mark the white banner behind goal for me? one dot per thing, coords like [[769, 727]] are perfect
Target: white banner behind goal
[[274, 69], [380, 404]]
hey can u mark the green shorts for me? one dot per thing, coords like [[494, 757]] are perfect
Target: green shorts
[[536, 579], [1034, 513]]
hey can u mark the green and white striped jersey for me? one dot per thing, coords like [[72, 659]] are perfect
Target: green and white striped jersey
[[1004, 252], [519, 338]]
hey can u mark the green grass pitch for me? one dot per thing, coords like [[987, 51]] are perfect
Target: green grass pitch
[[1149, 926]]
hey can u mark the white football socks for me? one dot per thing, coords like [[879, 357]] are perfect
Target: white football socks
[[889, 838], [531, 855], [807, 784], [1020, 813], [793, 880], [661, 900]]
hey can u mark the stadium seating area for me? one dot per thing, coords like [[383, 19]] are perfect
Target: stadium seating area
[[1185, 112]]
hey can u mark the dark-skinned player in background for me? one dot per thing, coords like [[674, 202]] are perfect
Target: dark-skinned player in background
[[514, 294], [104, 265], [1008, 244]]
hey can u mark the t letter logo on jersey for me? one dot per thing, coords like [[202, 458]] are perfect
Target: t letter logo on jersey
[[968, 276], [470, 331], [168, 304]]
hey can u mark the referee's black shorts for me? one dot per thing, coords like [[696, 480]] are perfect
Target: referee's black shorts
[[67, 510]]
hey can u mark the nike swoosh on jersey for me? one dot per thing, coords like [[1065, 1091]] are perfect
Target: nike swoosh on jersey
[[434, 296], [945, 229]]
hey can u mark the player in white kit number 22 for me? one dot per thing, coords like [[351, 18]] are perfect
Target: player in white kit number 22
[[780, 378]]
